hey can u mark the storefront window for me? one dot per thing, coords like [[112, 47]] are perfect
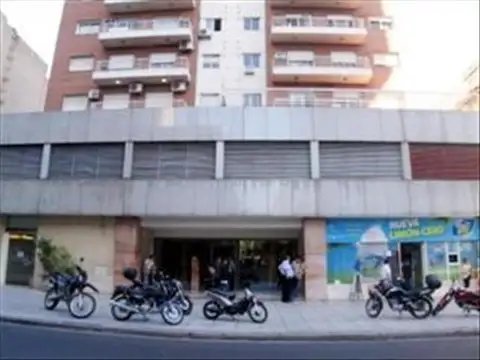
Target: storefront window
[[437, 259], [470, 251]]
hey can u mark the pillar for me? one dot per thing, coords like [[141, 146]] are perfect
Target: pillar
[[315, 246], [127, 238], [4, 245]]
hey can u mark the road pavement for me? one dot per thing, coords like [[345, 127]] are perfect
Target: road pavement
[[34, 342]]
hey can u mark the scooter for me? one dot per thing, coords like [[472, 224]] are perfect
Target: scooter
[[466, 300], [225, 303]]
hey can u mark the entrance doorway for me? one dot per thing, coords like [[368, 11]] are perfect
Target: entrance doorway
[[411, 263], [21, 260]]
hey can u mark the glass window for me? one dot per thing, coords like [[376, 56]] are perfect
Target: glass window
[[437, 259], [387, 60], [211, 61], [251, 61], [251, 23], [74, 103], [253, 99], [80, 63], [88, 27], [381, 23]]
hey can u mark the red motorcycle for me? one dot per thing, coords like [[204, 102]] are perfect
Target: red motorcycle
[[466, 300]]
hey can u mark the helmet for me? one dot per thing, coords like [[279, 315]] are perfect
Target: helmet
[[130, 273]]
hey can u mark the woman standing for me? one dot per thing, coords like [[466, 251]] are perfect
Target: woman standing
[[466, 273]]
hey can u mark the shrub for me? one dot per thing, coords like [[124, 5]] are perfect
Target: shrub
[[54, 258]]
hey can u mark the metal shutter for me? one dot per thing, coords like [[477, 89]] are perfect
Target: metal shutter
[[174, 161], [360, 160], [267, 160], [20, 162], [92, 161]]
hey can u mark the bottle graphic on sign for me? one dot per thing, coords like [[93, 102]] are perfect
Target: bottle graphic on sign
[[371, 250]]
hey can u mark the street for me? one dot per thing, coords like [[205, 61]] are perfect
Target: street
[[33, 342]]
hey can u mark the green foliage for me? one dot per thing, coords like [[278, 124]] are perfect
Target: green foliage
[[54, 258]]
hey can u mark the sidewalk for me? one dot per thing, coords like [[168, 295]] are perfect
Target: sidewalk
[[298, 321]]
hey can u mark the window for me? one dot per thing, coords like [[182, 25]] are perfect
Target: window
[[119, 62], [116, 101], [251, 61], [213, 24], [340, 58], [383, 23], [88, 27], [211, 61], [387, 60], [254, 99], [251, 23], [81, 63], [74, 102], [210, 99], [162, 60]]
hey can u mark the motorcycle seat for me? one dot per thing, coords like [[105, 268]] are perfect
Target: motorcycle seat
[[228, 295]]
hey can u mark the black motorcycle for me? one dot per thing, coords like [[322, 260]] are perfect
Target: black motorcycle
[[139, 298], [416, 302], [225, 303], [172, 289], [72, 290]]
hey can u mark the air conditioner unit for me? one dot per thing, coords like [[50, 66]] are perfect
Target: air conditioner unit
[[94, 95], [135, 88], [179, 87], [185, 46], [204, 33]]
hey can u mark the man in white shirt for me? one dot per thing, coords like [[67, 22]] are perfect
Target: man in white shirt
[[287, 274]]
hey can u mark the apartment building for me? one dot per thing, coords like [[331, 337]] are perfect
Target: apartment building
[[23, 73], [285, 147]]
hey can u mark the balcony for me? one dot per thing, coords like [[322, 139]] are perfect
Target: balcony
[[327, 4], [130, 33], [136, 104], [130, 6], [318, 30], [322, 69], [143, 70]]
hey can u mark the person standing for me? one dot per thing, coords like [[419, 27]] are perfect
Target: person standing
[[286, 270], [149, 269], [299, 270], [466, 273]]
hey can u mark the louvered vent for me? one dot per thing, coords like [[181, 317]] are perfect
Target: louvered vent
[[86, 161], [360, 160], [174, 160], [267, 160], [20, 162]]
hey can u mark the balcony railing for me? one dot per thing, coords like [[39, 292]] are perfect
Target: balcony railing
[[136, 104], [152, 24], [324, 61], [143, 64], [317, 21]]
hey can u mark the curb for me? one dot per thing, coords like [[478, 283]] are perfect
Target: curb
[[178, 333]]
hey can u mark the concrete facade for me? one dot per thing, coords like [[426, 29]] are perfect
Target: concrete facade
[[104, 220], [20, 65]]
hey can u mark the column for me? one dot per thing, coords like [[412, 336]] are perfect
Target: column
[[406, 163], [45, 162], [127, 237], [4, 246], [314, 159], [315, 245], [128, 160], [219, 160]]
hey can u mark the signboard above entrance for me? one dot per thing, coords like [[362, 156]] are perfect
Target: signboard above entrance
[[404, 230]]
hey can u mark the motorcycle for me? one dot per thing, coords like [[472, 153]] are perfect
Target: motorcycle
[[138, 298], [173, 290], [417, 302], [224, 303], [71, 290], [466, 300]]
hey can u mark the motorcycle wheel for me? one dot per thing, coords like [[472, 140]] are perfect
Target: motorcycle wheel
[[440, 306], [172, 314], [51, 301], [373, 307], [118, 313], [186, 305], [421, 309], [78, 301], [211, 310], [258, 313]]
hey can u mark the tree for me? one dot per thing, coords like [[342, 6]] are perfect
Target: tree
[[54, 258]]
